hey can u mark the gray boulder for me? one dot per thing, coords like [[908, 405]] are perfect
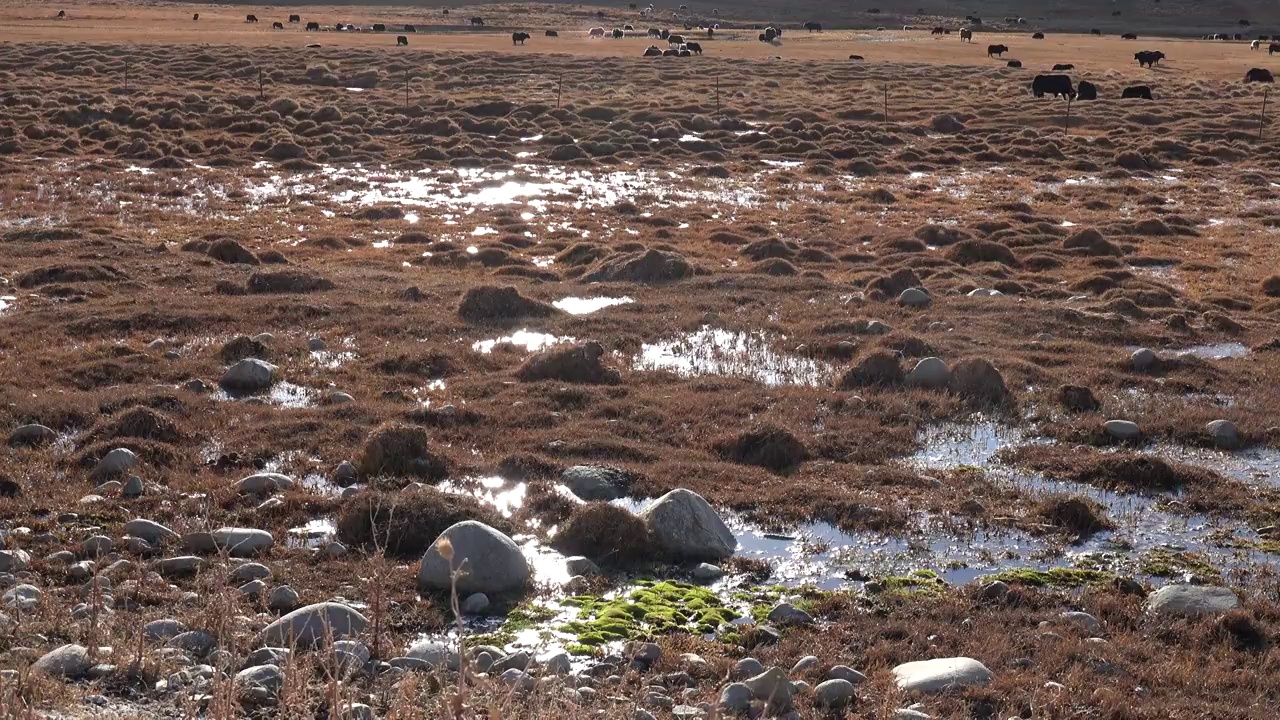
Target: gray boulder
[[773, 687], [248, 572], [746, 667], [69, 661], [132, 487], [914, 297], [1084, 620], [310, 626], [163, 629], [12, 561], [21, 597], [153, 532], [493, 561], [282, 599], [434, 654], [263, 483], [834, 694], [1224, 434], [939, 674], [1122, 429], [267, 656], [557, 664], [518, 660], [242, 542], [180, 565], [259, 684], [788, 614], [707, 572], [736, 698], [474, 604], [115, 463], [250, 375], [96, 546], [32, 436], [686, 526], [844, 672], [931, 373], [1192, 600], [594, 482], [579, 565], [196, 642], [1143, 359]]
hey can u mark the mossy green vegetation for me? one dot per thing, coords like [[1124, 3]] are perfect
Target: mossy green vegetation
[[1053, 577], [524, 617], [651, 608], [916, 582], [1164, 562]]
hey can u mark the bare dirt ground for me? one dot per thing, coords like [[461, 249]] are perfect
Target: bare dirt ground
[[432, 238]]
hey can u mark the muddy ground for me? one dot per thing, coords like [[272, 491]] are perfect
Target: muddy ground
[[744, 238]]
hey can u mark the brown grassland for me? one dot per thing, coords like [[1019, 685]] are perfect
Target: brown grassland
[[240, 183]]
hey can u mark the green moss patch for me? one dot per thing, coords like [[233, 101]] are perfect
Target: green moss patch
[[1053, 577], [652, 608], [1162, 562], [917, 582]]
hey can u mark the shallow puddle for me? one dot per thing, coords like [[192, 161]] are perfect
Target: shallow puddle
[[731, 353], [505, 497], [284, 394], [537, 187], [1141, 526], [526, 339], [587, 305], [316, 533], [1220, 351], [331, 360]]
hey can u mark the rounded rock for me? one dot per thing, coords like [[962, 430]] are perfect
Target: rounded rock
[[914, 297], [931, 373], [493, 560], [1143, 359], [834, 694], [1224, 434], [686, 526], [1123, 430]]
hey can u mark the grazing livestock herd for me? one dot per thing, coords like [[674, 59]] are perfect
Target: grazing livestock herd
[[1057, 85]]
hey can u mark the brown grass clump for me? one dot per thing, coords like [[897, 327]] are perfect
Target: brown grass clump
[[651, 267], [574, 365], [1092, 243], [969, 252], [1077, 398], [978, 380], [766, 446], [1122, 471], [1242, 631], [879, 369], [285, 282], [404, 524], [608, 534], [231, 252], [432, 365], [498, 304], [1077, 515], [400, 451], [143, 423], [241, 348], [1271, 286]]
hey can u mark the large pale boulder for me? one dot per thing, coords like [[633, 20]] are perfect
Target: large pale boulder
[[312, 625], [493, 561], [939, 674], [687, 527]]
